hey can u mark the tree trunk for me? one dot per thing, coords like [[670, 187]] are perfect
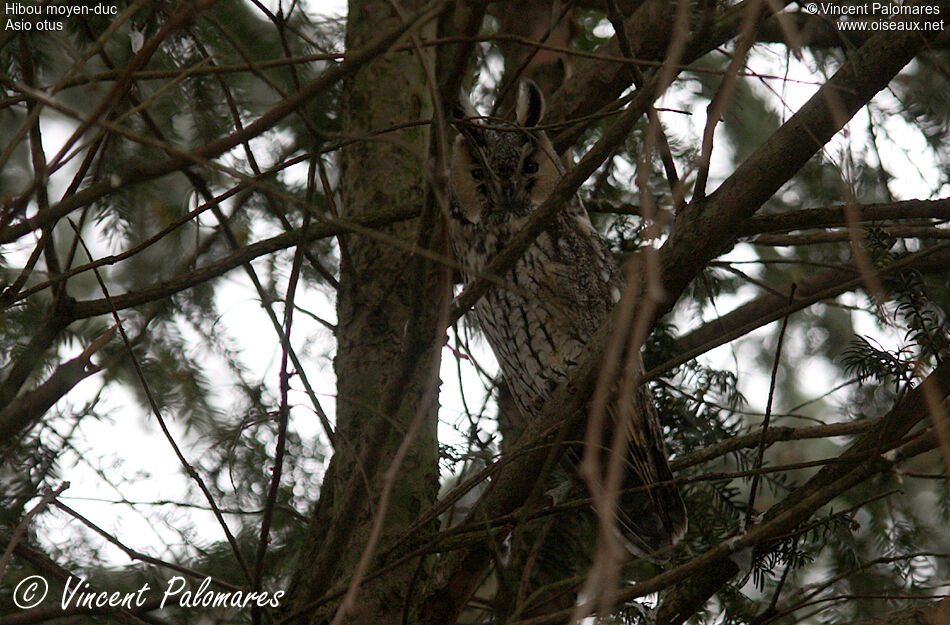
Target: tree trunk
[[388, 310]]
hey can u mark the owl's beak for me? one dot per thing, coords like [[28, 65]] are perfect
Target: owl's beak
[[509, 196]]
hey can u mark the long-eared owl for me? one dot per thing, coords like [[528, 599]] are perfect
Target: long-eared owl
[[546, 308]]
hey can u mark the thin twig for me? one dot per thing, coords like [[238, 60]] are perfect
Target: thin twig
[[21, 528], [156, 411], [760, 456]]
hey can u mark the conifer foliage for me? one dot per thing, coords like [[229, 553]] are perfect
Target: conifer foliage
[[236, 359]]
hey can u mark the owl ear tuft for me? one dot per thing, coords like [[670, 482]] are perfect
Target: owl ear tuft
[[530, 107]]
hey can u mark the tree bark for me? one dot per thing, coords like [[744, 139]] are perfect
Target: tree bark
[[388, 311]]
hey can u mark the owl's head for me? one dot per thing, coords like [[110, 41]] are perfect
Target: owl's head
[[503, 169]]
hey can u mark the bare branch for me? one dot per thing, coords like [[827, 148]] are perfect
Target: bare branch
[[844, 236], [704, 230], [936, 613], [819, 286], [834, 216], [149, 171], [30, 407]]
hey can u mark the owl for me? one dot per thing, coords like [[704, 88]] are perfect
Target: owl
[[541, 315]]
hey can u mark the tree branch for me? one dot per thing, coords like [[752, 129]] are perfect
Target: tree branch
[[703, 232], [936, 613], [167, 288], [834, 216], [707, 229], [844, 236], [686, 598], [827, 284], [351, 63], [706, 569], [21, 367], [29, 407], [595, 86]]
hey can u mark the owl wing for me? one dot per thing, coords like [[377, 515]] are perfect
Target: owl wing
[[651, 513]]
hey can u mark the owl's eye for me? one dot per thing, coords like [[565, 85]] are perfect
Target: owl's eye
[[478, 173], [530, 167]]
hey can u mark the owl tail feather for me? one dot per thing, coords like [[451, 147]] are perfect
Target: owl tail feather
[[651, 516], [651, 519]]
